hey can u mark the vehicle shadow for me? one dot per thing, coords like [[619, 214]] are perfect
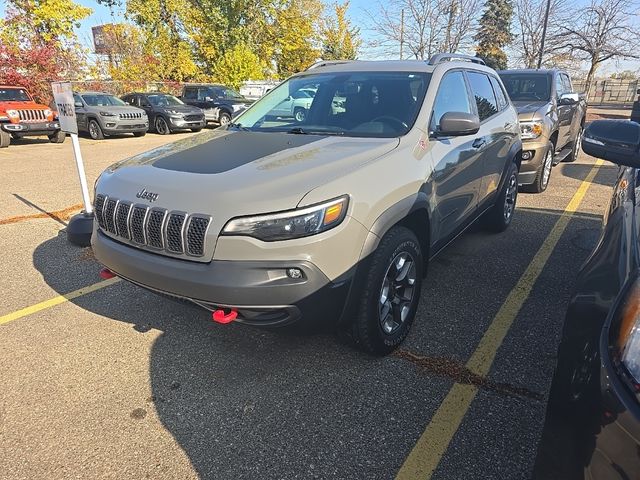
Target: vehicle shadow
[[30, 140], [579, 171]]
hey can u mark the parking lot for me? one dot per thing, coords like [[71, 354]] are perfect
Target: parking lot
[[102, 379]]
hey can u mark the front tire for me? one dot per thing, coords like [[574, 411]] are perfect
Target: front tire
[[541, 182], [95, 131], [224, 119], [390, 293], [498, 218], [300, 114], [57, 137], [5, 139], [161, 126]]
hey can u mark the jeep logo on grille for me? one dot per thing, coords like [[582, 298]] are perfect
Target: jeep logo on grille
[[146, 195]]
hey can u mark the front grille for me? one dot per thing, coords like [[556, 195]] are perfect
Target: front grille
[[193, 118], [99, 207], [32, 115], [174, 232], [127, 127], [129, 115], [109, 213], [195, 235]]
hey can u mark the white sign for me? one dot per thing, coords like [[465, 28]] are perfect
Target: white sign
[[63, 98]]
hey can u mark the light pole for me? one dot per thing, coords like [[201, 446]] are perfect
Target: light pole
[[544, 32]]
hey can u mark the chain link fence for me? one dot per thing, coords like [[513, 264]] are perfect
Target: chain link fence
[[119, 88], [610, 92]]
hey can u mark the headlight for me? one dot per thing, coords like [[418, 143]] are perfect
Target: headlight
[[48, 113], [530, 130], [292, 224], [107, 114], [628, 343], [13, 114]]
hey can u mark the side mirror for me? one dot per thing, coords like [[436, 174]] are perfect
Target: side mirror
[[78, 104], [569, 98], [615, 140], [457, 124]]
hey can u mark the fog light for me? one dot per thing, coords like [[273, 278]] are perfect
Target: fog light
[[294, 273], [527, 155]]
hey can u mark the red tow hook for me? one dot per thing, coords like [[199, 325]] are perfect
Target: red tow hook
[[106, 274], [220, 316]]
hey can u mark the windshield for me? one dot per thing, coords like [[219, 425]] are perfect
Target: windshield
[[163, 100], [529, 86], [14, 95], [101, 100], [362, 104], [224, 92]]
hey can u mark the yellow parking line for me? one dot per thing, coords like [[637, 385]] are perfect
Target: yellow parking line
[[52, 302], [434, 441]]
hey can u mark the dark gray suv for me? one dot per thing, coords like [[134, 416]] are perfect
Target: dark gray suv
[[167, 113]]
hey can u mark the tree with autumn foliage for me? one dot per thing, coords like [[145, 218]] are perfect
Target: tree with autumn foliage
[[38, 44], [340, 39]]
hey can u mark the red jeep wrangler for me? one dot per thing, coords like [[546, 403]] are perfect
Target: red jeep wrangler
[[20, 116]]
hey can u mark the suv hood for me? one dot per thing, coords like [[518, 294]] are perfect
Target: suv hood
[[13, 105], [227, 173], [527, 109]]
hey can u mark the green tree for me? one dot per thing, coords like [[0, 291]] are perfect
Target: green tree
[[238, 64], [340, 40], [494, 33]]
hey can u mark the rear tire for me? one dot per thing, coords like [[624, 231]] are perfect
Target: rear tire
[[543, 176], [57, 137], [5, 139], [499, 217], [95, 131], [575, 151], [390, 294]]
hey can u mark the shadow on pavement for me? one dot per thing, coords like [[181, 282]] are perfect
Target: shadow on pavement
[[580, 170], [249, 403]]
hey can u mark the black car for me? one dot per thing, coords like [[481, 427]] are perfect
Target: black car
[[167, 113], [220, 103], [598, 374]]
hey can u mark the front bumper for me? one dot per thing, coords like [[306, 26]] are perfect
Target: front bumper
[[261, 291], [115, 126], [529, 168], [182, 124], [24, 128]]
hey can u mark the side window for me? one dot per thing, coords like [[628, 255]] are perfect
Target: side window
[[191, 93], [483, 93], [560, 88], [568, 88], [452, 96], [500, 95]]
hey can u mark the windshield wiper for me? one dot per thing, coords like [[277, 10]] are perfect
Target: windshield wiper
[[302, 131]]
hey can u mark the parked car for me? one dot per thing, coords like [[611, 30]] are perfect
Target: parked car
[[551, 116], [295, 106], [101, 114], [255, 89], [21, 116], [220, 103], [330, 221], [598, 372], [167, 113]]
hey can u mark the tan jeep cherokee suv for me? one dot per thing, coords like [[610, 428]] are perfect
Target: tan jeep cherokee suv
[[330, 220]]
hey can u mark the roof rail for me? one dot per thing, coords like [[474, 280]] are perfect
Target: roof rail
[[452, 57], [326, 63]]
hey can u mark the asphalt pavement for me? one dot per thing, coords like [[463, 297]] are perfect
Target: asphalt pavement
[[122, 383]]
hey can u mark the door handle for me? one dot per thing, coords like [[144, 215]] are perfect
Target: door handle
[[479, 143]]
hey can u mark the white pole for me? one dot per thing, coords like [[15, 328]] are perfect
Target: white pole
[[83, 178]]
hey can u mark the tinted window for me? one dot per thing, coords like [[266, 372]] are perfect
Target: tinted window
[[13, 95], [191, 93], [452, 96], [483, 93], [560, 86], [502, 98], [527, 86], [362, 104]]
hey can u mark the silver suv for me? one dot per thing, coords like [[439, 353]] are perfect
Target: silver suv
[[101, 114], [329, 221]]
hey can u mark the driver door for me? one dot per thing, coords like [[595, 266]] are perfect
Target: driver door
[[457, 164]]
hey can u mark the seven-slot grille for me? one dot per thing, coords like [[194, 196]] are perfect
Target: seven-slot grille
[[130, 115], [32, 115], [175, 232]]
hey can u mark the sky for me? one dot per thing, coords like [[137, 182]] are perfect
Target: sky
[[359, 11]]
